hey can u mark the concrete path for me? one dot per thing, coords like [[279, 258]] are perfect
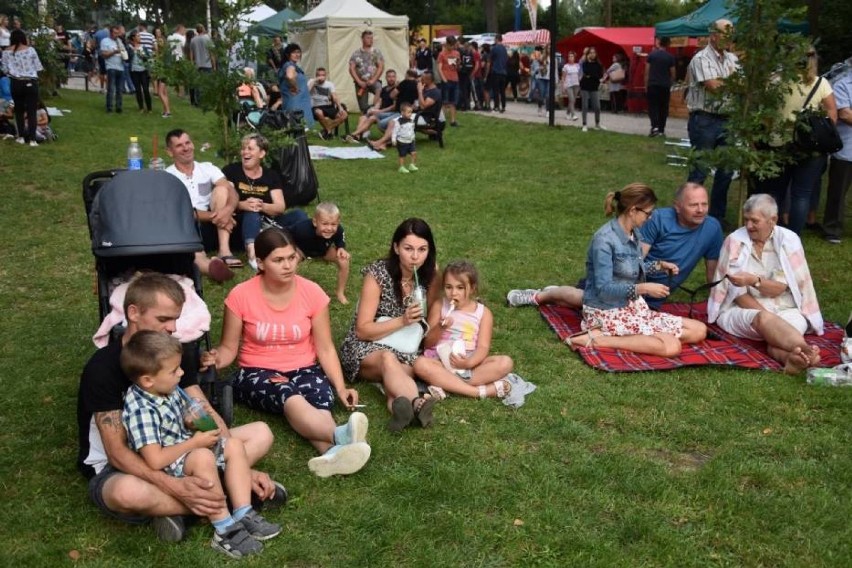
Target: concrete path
[[624, 123]]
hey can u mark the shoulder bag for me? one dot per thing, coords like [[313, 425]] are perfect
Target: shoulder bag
[[814, 131]]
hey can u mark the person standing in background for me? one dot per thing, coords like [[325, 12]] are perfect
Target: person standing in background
[[659, 76]]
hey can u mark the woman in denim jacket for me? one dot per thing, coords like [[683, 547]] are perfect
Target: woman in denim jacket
[[614, 312]]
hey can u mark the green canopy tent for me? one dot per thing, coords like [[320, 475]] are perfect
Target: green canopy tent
[[697, 24], [274, 25]]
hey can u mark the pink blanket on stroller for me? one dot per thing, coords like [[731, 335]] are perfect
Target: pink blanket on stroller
[[194, 320]]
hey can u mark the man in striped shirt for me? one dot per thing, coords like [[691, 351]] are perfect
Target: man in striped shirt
[[707, 119], [146, 38]]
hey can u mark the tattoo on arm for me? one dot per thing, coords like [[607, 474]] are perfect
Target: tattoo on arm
[[110, 420]]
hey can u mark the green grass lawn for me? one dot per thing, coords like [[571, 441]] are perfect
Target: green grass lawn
[[693, 467]]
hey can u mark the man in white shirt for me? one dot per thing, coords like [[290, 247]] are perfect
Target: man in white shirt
[[214, 199], [325, 104]]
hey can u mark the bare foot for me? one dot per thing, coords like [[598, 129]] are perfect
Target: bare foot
[[813, 355], [797, 362], [341, 297]]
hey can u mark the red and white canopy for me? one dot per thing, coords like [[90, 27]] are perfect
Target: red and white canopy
[[527, 37]]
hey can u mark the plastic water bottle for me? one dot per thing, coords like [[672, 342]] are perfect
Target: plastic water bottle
[[157, 164], [134, 154], [839, 376]]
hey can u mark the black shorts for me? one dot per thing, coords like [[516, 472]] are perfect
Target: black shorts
[[405, 149], [329, 111]]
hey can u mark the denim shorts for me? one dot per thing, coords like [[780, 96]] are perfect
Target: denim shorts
[[96, 490], [450, 92]]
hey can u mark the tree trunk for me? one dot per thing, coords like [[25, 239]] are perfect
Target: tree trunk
[[814, 7], [490, 7]]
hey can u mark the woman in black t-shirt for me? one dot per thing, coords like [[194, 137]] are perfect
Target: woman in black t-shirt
[[261, 194]]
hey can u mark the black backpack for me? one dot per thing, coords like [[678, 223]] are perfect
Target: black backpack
[[467, 62]]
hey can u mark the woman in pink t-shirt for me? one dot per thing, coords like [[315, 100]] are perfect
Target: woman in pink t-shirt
[[277, 326]]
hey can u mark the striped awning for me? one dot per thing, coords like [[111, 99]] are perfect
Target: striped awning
[[527, 37]]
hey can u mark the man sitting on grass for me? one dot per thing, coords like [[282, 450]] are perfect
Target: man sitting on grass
[[683, 234], [428, 109], [214, 199], [121, 484], [382, 111], [325, 104]]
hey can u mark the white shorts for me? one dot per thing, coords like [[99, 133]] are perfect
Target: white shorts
[[737, 321]]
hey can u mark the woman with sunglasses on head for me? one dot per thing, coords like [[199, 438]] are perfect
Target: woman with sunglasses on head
[[614, 312]]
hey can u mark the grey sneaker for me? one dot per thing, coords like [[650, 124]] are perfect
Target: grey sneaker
[[236, 543], [278, 499], [258, 527], [341, 460], [355, 430], [516, 298], [169, 529]]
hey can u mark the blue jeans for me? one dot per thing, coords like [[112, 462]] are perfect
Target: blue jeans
[[115, 79], [800, 178], [250, 222], [707, 132], [543, 89]]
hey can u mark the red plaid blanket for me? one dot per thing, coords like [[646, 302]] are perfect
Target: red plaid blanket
[[729, 350]]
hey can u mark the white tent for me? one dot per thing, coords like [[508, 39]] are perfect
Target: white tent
[[331, 32], [254, 15]]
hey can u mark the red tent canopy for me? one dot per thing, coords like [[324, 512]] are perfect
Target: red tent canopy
[[609, 41]]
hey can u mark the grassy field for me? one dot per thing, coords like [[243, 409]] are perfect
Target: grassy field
[[694, 467]]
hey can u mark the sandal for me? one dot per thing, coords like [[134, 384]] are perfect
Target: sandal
[[423, 410], [589, 342], [502, 388], [402, 413], [232, 261]]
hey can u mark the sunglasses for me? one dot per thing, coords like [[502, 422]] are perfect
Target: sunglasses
[[692, 292]]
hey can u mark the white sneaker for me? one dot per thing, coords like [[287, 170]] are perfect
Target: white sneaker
[[33, 144], [253, 263], [599, 127], [341, 460], [516, 298], [19, 140], [585, 129], [574, 116], [354, 431]]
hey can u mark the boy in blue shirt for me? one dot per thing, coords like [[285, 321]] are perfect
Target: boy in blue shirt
[[322, 237]]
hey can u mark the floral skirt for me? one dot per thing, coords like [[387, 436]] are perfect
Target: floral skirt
[[634, 319]]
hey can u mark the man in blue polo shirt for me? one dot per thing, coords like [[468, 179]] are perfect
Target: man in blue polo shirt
[[682, 234]]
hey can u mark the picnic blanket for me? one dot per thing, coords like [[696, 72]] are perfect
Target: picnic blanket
[[343, 153], [728, 350]]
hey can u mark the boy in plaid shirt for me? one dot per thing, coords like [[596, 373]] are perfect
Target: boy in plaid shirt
[[153, 417]]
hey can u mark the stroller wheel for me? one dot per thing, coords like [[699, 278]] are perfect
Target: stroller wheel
[[226, 403]]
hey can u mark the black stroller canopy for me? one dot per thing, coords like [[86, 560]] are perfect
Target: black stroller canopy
[[143, 212]]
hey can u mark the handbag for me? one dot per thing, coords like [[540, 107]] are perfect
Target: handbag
[[617, 75], [405, 340], [814, 131]]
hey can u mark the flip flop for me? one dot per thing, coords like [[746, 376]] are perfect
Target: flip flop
[[232, 261], [219, 271]]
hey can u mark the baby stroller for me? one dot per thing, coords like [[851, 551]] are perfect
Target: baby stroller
[[143, 220]]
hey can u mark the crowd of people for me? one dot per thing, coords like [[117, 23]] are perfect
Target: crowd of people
[[418, 330]]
